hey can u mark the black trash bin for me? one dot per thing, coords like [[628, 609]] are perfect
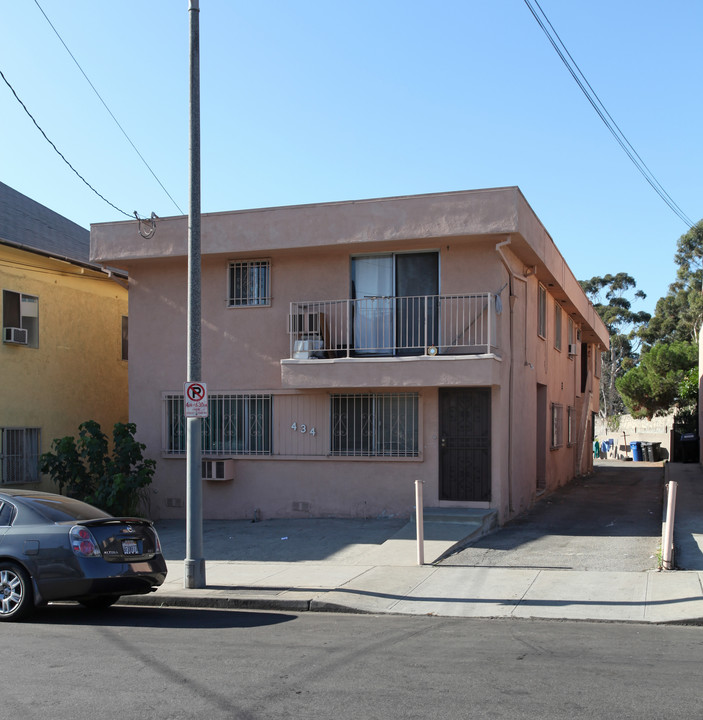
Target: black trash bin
[[647, 451], [689, 447], [656, 453]]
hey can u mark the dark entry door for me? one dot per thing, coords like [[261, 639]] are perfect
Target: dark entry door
[[465, 444]]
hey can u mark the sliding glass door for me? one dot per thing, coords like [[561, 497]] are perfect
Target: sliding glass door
[[395, 304]]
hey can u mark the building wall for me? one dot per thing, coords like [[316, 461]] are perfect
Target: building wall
[[77, 372], [243, 350]]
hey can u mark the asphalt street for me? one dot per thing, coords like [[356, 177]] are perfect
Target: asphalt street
[[610, 521], [178, 664]]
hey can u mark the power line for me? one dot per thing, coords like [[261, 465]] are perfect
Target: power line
[[604, 115], [108, 109], [59, 153]]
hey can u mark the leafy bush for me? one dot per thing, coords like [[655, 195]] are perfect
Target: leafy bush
[[84, 468]]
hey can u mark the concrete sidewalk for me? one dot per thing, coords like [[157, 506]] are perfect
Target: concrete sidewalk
[[371, 567]]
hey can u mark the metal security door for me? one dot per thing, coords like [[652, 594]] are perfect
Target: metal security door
[[465, 444]]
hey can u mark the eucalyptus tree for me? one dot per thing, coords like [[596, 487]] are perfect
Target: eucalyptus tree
[[613, 297]]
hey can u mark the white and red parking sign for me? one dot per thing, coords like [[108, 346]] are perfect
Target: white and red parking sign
[[195, 394]]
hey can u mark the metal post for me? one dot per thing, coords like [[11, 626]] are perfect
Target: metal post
[[194, 570], [668, 539], [419, 522]]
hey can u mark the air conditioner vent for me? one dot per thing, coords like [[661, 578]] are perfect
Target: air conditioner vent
[[218, 470], [19, 336]]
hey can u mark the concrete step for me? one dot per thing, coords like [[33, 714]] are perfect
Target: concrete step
[[445, 531]]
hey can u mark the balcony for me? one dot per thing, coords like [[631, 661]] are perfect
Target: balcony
[[367, 333]]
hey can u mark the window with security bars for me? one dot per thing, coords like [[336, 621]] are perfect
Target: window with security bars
[[236, 425], [557, 425], [249, 283], [19, 455], [375, 424]]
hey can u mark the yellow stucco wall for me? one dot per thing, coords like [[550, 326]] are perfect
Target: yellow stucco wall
[[77, 372]]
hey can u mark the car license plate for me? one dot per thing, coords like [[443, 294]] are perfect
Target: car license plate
[[130, 547]]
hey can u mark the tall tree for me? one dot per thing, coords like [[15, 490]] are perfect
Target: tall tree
[[663, 379], [679, 314], [609, 295]]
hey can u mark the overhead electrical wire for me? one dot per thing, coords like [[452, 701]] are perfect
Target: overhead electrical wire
[[604, 115], [59, 153], [107, 108]]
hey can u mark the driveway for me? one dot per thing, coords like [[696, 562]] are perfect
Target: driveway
[[610, 521]]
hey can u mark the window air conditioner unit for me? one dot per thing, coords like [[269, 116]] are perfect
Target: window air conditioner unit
[[573, 349], [305, 323], [218, 470], [15, 335]]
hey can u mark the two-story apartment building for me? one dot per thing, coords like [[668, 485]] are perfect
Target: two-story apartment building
[[352, 348], [63, 351]]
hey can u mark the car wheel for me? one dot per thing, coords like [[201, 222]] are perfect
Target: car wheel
[[16, 596], [99, 603]]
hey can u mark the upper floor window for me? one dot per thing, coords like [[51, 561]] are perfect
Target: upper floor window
[[19, 455], [20, 318], [557, 326], [249, 283], [542, 311]]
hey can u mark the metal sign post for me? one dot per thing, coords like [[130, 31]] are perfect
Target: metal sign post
[[194, 570]]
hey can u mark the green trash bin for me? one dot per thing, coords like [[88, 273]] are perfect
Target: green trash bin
[[647, 451]]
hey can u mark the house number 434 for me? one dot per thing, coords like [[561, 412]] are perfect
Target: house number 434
[[303, 429]]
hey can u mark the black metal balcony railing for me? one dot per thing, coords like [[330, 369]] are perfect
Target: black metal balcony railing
[[387, 326]]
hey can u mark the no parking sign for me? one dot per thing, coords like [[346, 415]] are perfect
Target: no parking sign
[[195, 394]]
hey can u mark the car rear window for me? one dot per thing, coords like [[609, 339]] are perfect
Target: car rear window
[[62, 509]]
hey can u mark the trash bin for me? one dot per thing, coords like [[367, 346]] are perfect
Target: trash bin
[[636, 447], [647, 451], [655, 452], [689, 447]]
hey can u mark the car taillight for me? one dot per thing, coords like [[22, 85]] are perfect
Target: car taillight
[[83, 543], [157, 545]]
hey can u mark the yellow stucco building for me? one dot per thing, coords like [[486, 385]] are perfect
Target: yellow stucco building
[[63, 355]]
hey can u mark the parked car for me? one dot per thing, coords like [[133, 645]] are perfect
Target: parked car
[[53, 547]]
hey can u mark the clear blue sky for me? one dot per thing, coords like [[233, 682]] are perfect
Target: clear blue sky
[[308, 101]]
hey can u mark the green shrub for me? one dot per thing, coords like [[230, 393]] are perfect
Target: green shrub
[[84, 468]]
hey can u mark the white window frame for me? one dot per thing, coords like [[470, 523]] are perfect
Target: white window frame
[[249, 283], [20, 449]]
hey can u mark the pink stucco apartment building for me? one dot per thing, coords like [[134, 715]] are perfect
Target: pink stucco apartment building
[[351, 348]]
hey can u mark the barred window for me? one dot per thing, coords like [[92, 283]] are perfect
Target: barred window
[[236, 425], [19, 455], [557, 425], [249, 283], [375, 424], [557, 326]]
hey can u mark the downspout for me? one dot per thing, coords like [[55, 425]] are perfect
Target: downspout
[[511, 275]]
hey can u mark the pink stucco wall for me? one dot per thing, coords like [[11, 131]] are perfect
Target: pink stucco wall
[[247, 349]]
